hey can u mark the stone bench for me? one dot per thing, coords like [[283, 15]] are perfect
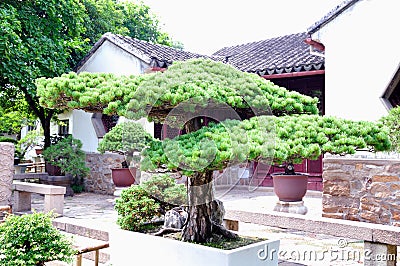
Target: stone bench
[[53, 196]]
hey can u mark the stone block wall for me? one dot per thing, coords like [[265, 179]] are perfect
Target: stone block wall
[[99, 180], [6, 172], [365, 190]]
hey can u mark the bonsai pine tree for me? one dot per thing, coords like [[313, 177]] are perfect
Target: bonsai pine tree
[[126, 139], [228, 117]]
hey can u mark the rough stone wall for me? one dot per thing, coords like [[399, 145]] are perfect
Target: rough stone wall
[[99, 180], [6, 172], [365, 190]]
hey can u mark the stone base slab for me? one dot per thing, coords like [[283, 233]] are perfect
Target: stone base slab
[[291, 207]]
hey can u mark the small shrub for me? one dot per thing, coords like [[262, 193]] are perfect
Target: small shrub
[[135, 208], [31, 240], [164, 188], [68, 155]]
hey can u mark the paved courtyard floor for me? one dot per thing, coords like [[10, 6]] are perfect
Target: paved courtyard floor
[[297, 248]]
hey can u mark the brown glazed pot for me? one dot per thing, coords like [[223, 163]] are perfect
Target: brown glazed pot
[[53, 170], [123, 177], [290, 188]]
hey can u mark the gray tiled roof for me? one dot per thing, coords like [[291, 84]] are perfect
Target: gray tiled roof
[[154, 54], [331, 15], [284, 54]]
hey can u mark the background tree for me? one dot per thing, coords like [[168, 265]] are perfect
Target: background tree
[[36, 40], [121, 17], [189, 91], [47, 38], [14, 113]]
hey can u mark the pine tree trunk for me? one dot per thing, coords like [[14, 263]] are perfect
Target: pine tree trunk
[[200, 195]]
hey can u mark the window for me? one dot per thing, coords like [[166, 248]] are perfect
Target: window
[[63, 127]]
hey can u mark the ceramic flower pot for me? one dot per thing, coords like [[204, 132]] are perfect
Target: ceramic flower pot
[[123, 177], [290, 188]]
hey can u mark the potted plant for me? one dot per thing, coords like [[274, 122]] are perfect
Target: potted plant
[[65, 163], [32, 240], [300, 137], [32, 140], [128, 139]]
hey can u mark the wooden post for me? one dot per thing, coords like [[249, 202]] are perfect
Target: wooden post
[[79, 260], [96, 258]]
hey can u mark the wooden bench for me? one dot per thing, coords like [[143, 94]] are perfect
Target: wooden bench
[[53, 196], [378, 239]]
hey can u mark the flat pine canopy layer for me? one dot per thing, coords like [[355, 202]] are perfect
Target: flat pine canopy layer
[[292, 133], [199, 79], [264, 138]]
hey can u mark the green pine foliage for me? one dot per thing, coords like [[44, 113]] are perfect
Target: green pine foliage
[[392, 121], [165, 190], [293, 133], [276, 139], [193, 79], [125, 138]]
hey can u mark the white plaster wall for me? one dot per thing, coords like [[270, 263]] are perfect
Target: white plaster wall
[[362, 55], [109, 58], [148, 126], [82, 129]]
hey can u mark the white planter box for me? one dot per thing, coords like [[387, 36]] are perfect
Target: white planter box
[[132, 248]]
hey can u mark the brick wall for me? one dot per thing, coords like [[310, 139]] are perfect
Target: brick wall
[[99, 180], [362, 190]]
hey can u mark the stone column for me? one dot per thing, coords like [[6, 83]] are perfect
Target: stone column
[[6, 172]]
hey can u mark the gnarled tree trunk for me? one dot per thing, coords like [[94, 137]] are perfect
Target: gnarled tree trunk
[[200, 195]]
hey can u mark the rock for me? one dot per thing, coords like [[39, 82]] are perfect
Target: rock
[[218, 211], [175, 218]]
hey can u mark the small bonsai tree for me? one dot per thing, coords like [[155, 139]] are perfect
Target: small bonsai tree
[[140, 204], [258, 120], [32, 240], [128, 139], [29, 141], [67, 154]]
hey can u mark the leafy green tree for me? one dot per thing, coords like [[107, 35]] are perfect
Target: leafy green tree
[[125, 18], [36, 40], [32, 240], [14, 113], [47, 38], [284, 126]]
